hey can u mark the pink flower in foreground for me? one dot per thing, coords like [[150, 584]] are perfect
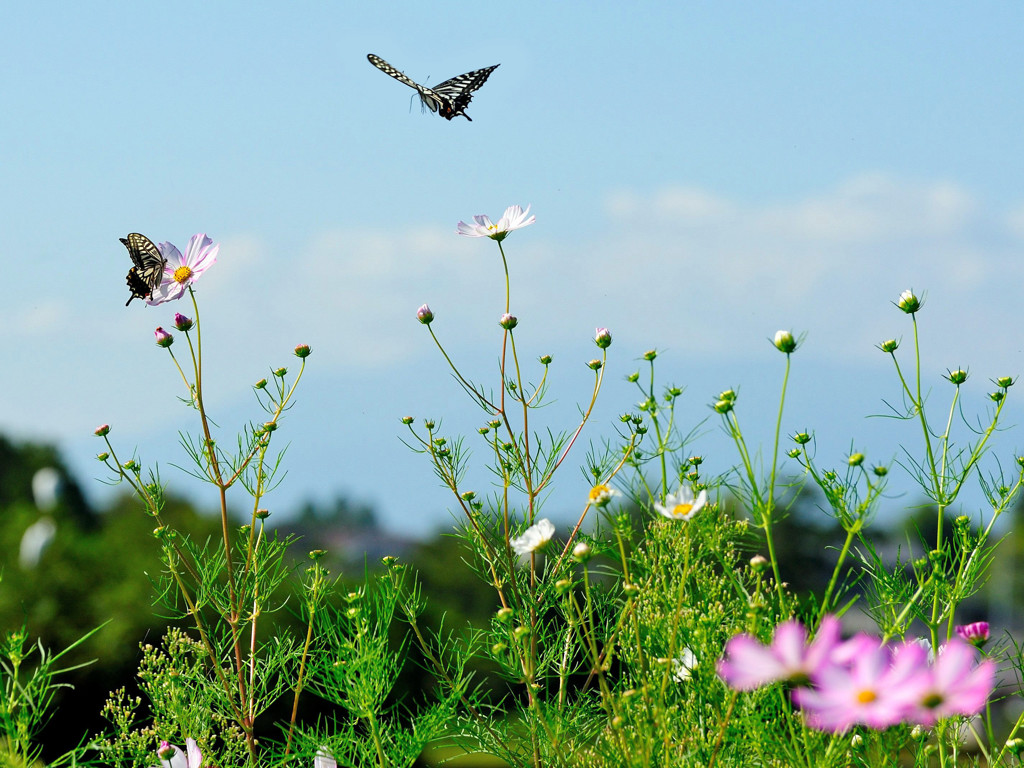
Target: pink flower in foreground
[[749, 664], [181, 271], [514, 218], [875, 689], [954, 685]]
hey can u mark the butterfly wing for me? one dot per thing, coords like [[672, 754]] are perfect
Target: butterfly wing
[[147, 271], [458, 91], [430, 99]]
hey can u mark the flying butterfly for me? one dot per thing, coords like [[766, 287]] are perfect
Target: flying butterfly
[[448, 99], [148, 270]]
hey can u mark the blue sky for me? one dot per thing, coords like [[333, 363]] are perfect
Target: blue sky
[[702, 175]]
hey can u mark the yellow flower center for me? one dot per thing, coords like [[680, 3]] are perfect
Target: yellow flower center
[[866, 697], [681, 510], [598, 491], [182, 274]]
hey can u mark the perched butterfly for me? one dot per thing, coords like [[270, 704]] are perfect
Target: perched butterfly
[[450, 98], [148, 272]]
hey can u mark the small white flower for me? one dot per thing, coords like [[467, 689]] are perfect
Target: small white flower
[[682, 505], [534, 538], [601, 494], [683, 666], [324, 759]]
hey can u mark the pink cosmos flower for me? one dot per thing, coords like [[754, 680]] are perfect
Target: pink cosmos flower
[[976, 634], [954, 685], [181, 271], [875, 689], [749, 664], [514, 218], [172, 757]]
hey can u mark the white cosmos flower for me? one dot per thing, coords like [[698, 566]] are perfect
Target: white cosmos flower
[[534, 538], [682, 505], [513, 218]]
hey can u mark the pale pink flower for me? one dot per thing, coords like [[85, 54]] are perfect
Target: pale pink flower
[[875, 689], [172, 757], [514, 218], [749, 664], [954, 685], [181, 271]]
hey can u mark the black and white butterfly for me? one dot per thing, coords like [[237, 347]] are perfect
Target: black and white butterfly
[[148, 270], [448, 99]]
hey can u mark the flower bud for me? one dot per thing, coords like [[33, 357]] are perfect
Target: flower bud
[[102, 456], [281, 373], [424, 315], [582, 552], [520, 632], [545, 359], [302, 351], [784, 342], [407, 420], [650, 354], [908, 302], [262, 514], [182, 323], [468, 495], [758, 563], [165, 751], [630, 590], [497, 648], [316, 554], [801, 438], [261, 384], [594, 365], [855, 459], [723, 406], [729, 395], [996, 397], [503, 614], [508, 322], [793, 453], [881, 470], [695, 460], [889, 346], [634, 377], [562, 586], [958, 377], [428, 424], [1016, 746], [270, 426], [603, 338], [102, 430], [1005, 382], [976, 634], [163, 338]]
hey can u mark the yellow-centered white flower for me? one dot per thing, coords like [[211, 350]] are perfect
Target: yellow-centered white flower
[[682, 505]]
